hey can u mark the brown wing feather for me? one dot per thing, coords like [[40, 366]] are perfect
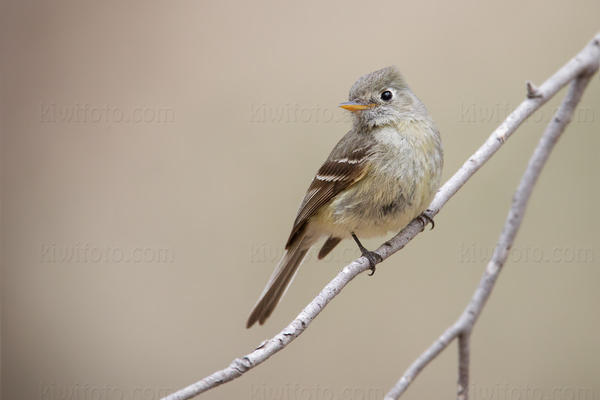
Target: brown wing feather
[[341, 170]]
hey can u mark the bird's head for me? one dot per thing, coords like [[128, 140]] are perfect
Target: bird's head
[[382, 97]]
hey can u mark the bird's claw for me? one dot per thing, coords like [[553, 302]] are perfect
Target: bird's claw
[[374, 259], [425, 219]]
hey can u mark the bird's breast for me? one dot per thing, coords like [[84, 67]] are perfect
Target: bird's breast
[[402, 176]]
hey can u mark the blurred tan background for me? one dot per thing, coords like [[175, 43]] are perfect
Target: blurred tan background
[[154, 156]]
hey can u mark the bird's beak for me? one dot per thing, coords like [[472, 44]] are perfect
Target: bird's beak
[[354, 106]]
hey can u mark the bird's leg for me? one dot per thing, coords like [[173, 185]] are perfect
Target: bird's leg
[[373, 257], [426, 219]]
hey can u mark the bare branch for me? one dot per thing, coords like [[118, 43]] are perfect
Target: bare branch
[[463, 326], [464, 350], [585, 61]]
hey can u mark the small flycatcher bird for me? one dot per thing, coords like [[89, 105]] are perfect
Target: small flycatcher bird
[[378, 178]]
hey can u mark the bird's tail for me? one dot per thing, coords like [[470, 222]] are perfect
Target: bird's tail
[[279, 282]]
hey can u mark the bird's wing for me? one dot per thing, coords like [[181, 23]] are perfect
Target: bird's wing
[[345, 166]]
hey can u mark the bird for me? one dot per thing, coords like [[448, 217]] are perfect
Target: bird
[[379, 177]]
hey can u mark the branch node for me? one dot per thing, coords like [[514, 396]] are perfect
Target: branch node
[[242, 365], [532, 91], [262, 344]]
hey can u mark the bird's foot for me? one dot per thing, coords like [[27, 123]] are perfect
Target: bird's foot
[[426, 219], [373, 258]]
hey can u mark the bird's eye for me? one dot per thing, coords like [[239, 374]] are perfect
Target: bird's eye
[[386, 96]]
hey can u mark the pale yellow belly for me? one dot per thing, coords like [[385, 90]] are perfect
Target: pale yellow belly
[[374, 206]]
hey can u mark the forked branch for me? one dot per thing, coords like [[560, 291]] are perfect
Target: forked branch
[[463, 327], [579, 68]]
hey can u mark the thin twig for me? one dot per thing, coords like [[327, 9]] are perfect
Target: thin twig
[[463, 326], [584, 61], [464, 353]]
